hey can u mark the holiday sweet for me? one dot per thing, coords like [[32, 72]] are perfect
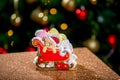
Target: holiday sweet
[[54, 50]]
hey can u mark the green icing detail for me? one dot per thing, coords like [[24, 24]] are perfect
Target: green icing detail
[[38, 54], [45, 63]]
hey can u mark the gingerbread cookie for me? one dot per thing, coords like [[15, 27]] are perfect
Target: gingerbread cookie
[[54, 50]]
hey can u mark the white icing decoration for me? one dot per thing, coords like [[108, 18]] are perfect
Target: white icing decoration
[[72, 60], [50, 64], [35, 60], [42, 65]]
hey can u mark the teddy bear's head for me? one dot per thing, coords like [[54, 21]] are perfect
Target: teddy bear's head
[[51, 42]]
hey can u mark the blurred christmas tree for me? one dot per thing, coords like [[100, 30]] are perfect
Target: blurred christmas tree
[[94, 24]]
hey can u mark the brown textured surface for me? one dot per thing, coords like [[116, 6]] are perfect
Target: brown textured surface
[[19, 66]]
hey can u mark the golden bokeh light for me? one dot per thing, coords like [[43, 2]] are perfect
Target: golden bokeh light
[[53, 11], [12, 43], [18, 20], [63, 26], [10, 32], [45, 18], [13, 16], [41, 14]]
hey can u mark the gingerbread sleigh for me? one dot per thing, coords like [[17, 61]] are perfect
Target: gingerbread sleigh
[[54, 50]]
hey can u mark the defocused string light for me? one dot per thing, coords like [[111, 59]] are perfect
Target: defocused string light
[[112, 40], [2, 51], [81, 13], [53, 11], [30, 49], [100, 19], [40, 15], [12, 43], [10, 32], [63, 26], [45, 18], [46, 2], [16, 18], [78, 11]]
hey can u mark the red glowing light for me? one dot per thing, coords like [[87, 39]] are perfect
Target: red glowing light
[[78, 11], [112, 39]]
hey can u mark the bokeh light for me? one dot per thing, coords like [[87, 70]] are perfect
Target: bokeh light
[[40, 15], [53, 11], [63, 26], [10, 32]]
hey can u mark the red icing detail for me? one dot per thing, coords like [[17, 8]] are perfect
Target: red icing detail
[[58, 66], [65, 66], [62, 66], [50, 56], [57, 41]]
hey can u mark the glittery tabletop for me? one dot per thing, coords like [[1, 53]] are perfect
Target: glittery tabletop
[[19, 66]]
